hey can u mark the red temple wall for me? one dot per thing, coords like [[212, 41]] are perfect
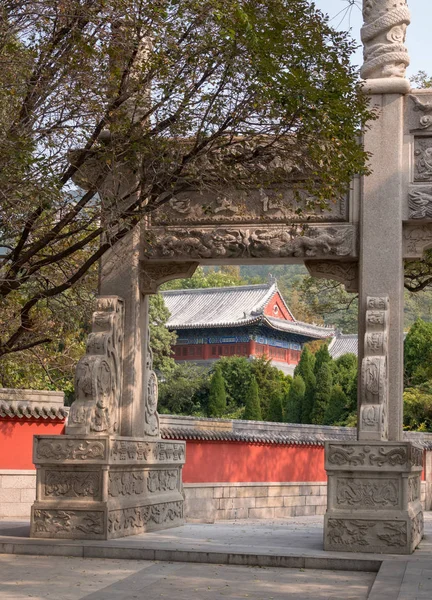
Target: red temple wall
[[16, 440], [276, 308]]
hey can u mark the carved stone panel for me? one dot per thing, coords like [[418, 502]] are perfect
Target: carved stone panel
[[65, 449], [345, 272], [84, 485], [355, 492], [416, 239], [126, 483], [419, 114], [360, 535], [129, 521], [345, 456], [423, 159], [383, 37], [238, 207], [254, 242], [374, 371], [75, 524], [125, 450], [420, 202]]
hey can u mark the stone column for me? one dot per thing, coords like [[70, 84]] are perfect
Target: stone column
[[374, 484]]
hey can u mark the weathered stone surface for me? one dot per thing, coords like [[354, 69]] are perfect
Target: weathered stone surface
[[373, 500], [106, 487]]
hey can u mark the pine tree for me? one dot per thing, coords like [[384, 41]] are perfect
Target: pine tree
[[323, 390], [253, 406], [295, 400], [275, 413], [217, 395], [305, 369], [322, 355], [337, 407]]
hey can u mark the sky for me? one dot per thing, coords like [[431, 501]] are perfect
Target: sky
[[419, 34]]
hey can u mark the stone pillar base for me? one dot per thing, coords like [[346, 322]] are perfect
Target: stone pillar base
[[373, 497], [105, 487]]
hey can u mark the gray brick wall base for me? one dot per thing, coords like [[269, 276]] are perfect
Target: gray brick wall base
[[17, 493], [210, 502]]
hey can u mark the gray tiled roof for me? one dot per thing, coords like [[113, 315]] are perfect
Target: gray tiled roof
[[32, 411], [343, 344], [230, 307]]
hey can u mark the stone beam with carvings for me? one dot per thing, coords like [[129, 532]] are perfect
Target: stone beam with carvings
[[345, 272]]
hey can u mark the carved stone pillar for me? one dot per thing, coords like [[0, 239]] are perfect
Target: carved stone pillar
[[373, 502], [112, 475]]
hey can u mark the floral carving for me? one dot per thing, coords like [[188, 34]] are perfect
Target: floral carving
[[425, 120], [64, 522], [365, 493], [126, 483], [98, 376], [72, 484], [383, 37], [66, 449], [162, 481], [135, 519]]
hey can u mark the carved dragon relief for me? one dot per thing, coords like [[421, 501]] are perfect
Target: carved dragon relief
[[98, 376], [263, 242], [345, 272], [374, 372], [383, 37]]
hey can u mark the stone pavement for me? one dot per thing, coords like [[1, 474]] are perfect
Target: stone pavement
[[63, 578], [236, 551]]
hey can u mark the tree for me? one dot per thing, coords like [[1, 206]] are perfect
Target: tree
[[270, 380], [207, 278], [253, 407], [161, 340], [237, 374], [322, 355], [418, 353], [184, 391], [305, 368], [295, 400], [110, 109], [336, 409], [345, 374], [275, 413], [323, 390], [418, 408], [217, 395]]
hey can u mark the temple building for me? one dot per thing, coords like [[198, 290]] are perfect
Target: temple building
[[250, 320]]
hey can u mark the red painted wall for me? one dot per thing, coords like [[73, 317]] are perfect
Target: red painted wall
[[215, 462], [276, 308], [16, 440]]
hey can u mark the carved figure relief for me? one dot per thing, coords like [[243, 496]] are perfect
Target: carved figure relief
[[98, 376], [420, 202], [423, 159], [196, 244], [383, 37], [72, 484], [65, 449], [374, 375], [364, 493]]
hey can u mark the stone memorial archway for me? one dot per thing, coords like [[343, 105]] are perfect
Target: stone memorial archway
[[111, 475]]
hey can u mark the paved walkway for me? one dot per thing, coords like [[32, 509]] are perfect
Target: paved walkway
[[295, 544], [62, 578]]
